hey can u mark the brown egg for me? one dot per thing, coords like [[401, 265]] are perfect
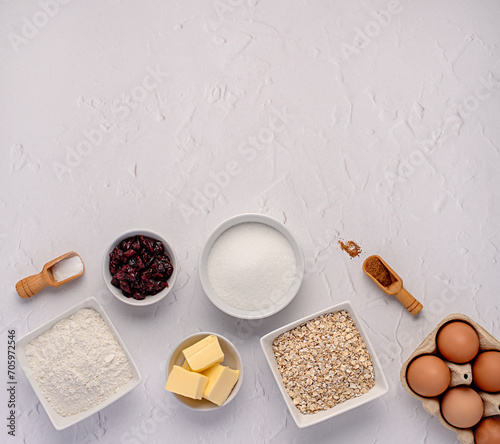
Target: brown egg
[[488, 431], [486, 371], [458, 342], [428, 376], [462, 407]]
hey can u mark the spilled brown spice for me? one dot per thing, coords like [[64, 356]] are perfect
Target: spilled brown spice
[[351, 248], [378, 270]]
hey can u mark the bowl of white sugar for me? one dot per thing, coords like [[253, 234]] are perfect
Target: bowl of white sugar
[[251, 266]]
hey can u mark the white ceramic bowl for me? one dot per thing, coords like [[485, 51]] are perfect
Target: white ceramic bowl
[[153, 299], [232, 359], [61, 422], [379, 389], [224, 306]]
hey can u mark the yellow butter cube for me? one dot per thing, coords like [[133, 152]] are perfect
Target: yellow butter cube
[[221, 381], [186, 383], [185, 365], [192, 349], [204, 354]]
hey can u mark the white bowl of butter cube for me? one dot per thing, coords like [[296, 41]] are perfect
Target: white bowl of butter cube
[[205, 371]]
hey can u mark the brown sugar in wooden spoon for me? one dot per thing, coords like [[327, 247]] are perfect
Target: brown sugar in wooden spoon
[[390, 283], [31, 285]]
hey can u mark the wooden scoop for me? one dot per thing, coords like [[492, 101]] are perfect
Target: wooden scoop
[[395, 287], [31, 285]]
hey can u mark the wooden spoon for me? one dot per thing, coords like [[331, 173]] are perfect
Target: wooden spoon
[[31, 285], [395, 288]]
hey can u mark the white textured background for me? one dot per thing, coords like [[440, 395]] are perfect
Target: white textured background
[[388, 135]]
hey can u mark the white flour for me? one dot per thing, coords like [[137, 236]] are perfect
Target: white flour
[[78, 363], [67, 268], [251, 266]]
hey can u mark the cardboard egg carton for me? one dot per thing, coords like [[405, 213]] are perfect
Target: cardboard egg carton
[[461, 374]]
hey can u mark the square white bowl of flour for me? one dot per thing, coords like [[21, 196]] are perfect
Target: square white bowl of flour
[[109, 360]]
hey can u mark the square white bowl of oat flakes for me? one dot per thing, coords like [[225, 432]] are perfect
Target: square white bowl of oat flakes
[[324, 364]]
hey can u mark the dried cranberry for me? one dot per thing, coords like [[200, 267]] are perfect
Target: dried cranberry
[[130, 253], [158, 248], [146, 244], [136, 263], [125, 245], [117, 254], [140, 267], [170, 269], [124, 286]]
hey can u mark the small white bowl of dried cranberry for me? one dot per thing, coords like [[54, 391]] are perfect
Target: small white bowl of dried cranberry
[[140, 267]]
